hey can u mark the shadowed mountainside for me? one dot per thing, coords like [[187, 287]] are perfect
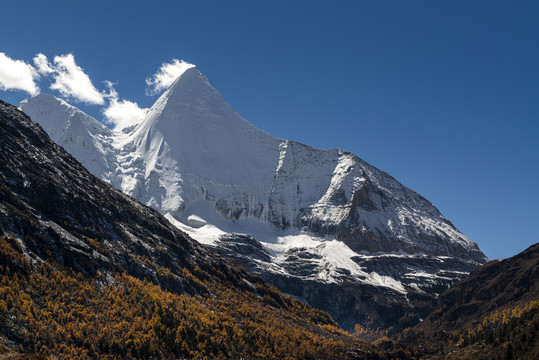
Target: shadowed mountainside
[[492, 314]]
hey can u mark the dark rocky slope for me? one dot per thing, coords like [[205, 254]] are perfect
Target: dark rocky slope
[[492, 314], [495, 286], [351, 301]]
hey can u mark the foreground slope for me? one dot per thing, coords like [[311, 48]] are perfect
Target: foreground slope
[[86, 271], [322, 225], [493, 313], [493, 287]]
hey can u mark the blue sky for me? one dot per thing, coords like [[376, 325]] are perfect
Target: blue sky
[[442, 95]]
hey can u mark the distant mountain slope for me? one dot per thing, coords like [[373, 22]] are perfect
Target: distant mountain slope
[[86, 271], [497, 285], [322, 225], [493, 313]]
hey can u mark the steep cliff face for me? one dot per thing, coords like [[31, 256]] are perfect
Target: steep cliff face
[[318, 215]]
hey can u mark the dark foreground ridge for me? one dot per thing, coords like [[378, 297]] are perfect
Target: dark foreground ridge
[[86, 272], [492, 314]]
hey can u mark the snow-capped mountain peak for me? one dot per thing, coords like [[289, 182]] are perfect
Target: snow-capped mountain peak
[[199, 138], [282, 208], [80, 134]]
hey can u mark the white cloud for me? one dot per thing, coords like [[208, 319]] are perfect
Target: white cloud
[[166, 76], [42, 64], [17, 75], [70, 80], [122, 113]]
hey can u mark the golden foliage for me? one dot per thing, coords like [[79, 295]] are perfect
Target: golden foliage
[[64, 314], [511, 333]]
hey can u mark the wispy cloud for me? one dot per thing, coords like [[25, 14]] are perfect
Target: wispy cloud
[[71, 81], [17, 75], [42, 64], [168, 72], [122, 113], [68, 78]]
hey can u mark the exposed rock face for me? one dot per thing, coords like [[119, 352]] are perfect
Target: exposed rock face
[[322, 216], [392, 288], [244, 248]]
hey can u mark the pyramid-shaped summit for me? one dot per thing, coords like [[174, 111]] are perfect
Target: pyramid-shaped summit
[[192, 126], [316, 216]]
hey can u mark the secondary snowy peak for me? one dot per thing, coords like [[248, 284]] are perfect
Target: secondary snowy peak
[[80, 134]]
